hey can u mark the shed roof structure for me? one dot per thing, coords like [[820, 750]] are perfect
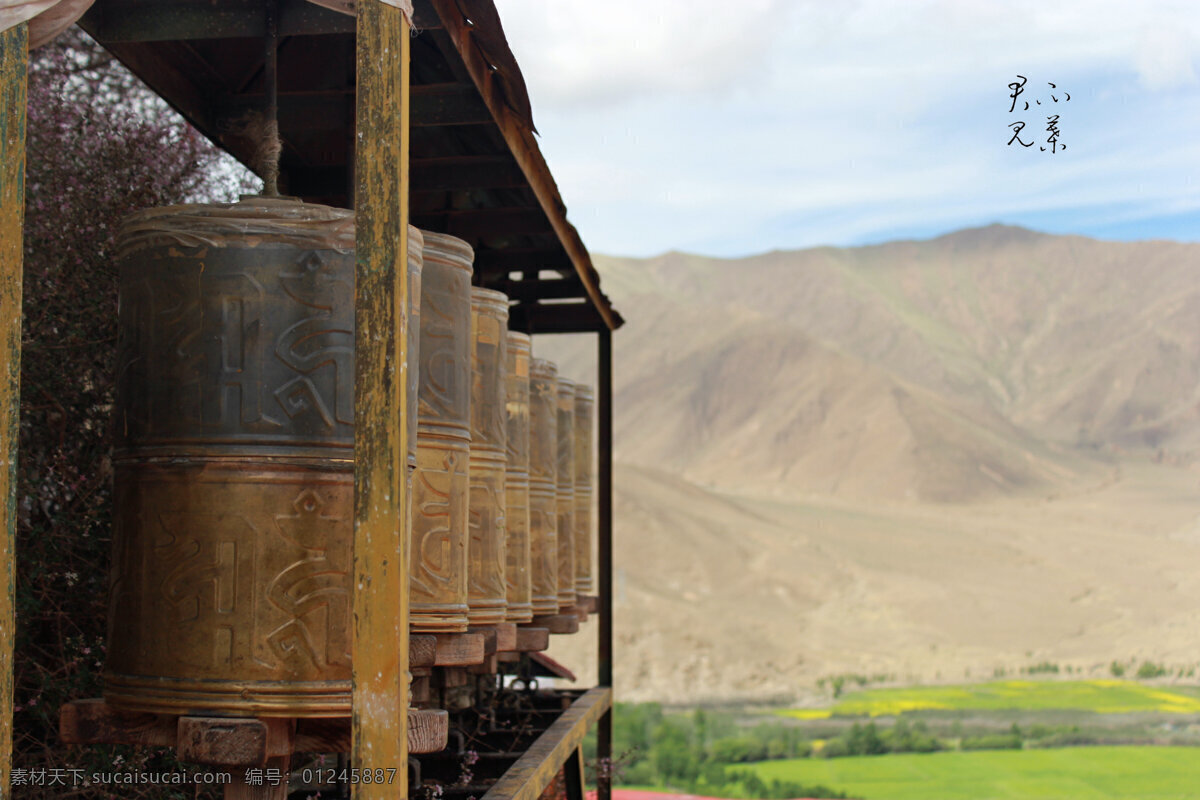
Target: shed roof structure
[[476, 170], [421, 120]]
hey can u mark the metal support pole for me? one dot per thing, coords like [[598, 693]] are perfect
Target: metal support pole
[[379, 723], [14, 62], [604, 449]]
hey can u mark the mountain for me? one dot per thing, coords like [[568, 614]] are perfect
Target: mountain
[[906, 387]]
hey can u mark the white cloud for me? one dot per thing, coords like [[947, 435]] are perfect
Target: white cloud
[[760, 125]]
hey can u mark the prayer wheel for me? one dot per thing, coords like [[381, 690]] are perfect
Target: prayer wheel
[[486, 589], [438, 555], [565, 492], [516, 480], [543, 482], [584, 402], [234, 477]]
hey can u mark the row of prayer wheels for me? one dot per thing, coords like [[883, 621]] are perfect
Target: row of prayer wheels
[[234, 460], [501, 500]]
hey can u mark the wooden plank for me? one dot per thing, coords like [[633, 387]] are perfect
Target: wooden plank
[[490, 638], [142, 21], [447, 104], [484, 221], [559, 317], [506, 637], [422, 650], [379, 717], [558, 623], [532, 639], [465, 172], [521, 258], [14, 62], [459, 649], [534, 771], [545, 289]]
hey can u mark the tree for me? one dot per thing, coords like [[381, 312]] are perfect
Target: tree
[[100, 146]]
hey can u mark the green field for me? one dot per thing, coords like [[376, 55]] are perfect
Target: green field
[[1101, 696], [1082, 773]]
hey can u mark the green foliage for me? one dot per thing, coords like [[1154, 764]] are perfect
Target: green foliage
[[1097, 773], [996, 741], [749, 784], [1041, 668], [1117, 669], [1149, 669], [737, 750]]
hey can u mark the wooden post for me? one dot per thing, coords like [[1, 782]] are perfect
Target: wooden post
[[605, 565], [14, 60], [381, 681]]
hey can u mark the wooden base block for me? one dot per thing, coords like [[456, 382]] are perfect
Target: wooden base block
[[508, 658], [489, 638], [591, 603], [558, 623], [532, 639], [448, 649], [422, 650], [225, 742], [506, 637]]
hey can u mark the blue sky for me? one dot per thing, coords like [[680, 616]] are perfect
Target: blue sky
[[736, 128]]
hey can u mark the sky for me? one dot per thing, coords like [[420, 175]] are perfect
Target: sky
[[735, 128]]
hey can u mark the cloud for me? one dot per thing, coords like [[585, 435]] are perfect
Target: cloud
[[626, 50], [736, 128]]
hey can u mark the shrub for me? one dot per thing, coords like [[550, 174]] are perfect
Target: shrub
[[1149, 669], [996, 741], [1117, 669]]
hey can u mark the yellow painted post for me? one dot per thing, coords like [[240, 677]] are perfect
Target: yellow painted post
[[14, 59], [381, 680]]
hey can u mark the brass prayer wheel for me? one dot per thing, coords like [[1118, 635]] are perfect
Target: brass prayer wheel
[[438, 560], [565, 493], [543, 482], [486, 589], [516, 480], [233, 488], [584, 402]]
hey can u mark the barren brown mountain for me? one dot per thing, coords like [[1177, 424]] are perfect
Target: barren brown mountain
[[917, 458]]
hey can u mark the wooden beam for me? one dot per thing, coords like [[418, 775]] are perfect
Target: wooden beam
[[512, 259], [379, 716], [14, 64], [116, 21], [525, 150], [484, 221], [547, 289], [557, 317], [445, 104], [533, 772], [465, 172]]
